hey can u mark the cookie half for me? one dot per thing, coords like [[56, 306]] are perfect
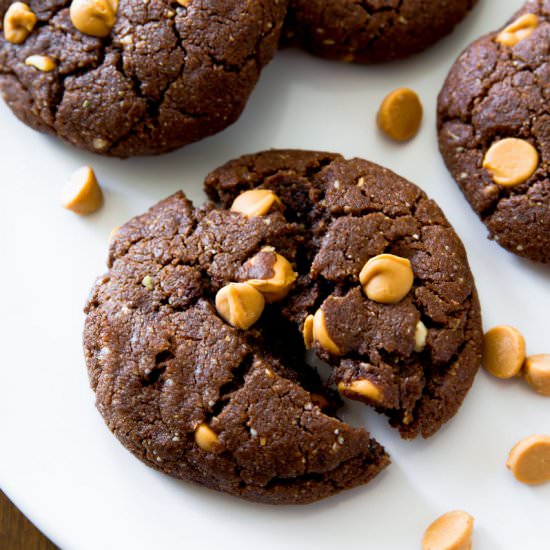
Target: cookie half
[[371, 32], [192, 396], [494, 130], [166, 74], [415, 359]]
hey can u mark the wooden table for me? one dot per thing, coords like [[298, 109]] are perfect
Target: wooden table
[[17, 532]]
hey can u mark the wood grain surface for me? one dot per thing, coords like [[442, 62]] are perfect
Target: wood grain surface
[[17, 532]]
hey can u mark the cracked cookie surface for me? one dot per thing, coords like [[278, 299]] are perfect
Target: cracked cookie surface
[[162, 363], [352, 211], [165, 76], [494, 92], [374, 31]]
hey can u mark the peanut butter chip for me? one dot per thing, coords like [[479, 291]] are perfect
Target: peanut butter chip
[[519, 30], [41, 62], [256, 202], [240, 304], [207, 439], [511, 161], [307, 331], [82, 194], [94, 17], [529, 460], [387, 278], [277, 286], [537, 372], [321, 335], [503, 351], [452, 531], [400, 114], [363, 388], [19, 21]]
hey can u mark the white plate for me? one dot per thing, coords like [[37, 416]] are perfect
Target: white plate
[[59, 462]]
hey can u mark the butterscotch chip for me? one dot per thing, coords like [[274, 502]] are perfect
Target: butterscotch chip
[[256, 202], [82, 194], [94, 17], [276, 275], [529, 460], [19, 21], [364, 388], [537, 372], [452, 531], [400, 114], [511, 161], [307, 331], [518, 30], [321, 334], [41, 62], [320, 400], [387, 278], [503, 351], [207, 439], [240, 304]]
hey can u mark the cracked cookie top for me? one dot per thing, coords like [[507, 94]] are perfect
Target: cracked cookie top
[[167, 74], [413, 356], [196, 338], [374, 31], [192, 395], [494, 130]]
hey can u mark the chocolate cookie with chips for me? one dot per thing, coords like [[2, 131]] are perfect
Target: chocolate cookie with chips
[[384, 293], [190, 386], [128, 77], [196, 338], [494, 130]]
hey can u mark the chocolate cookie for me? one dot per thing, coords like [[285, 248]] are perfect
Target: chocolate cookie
[[195, 397], [494, 130], [371, 32], [142, 79], [413, 357], [195, 340]]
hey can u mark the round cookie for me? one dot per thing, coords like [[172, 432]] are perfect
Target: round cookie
[[494, 130], [192, 396], [353, 211], [168, 73], [240, 410], [371, 32]]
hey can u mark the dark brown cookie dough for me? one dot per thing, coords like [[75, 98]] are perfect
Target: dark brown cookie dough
[[162, 363], [166, 75], [376, 31], [493, 92], [167, 368], [353, 210]]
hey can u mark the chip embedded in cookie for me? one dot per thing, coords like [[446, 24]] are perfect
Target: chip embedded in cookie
[[494, 130], [127, 77], [370, 32], [384, 292]]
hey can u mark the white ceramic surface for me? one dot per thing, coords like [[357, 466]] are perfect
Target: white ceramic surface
[[59, 462]]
